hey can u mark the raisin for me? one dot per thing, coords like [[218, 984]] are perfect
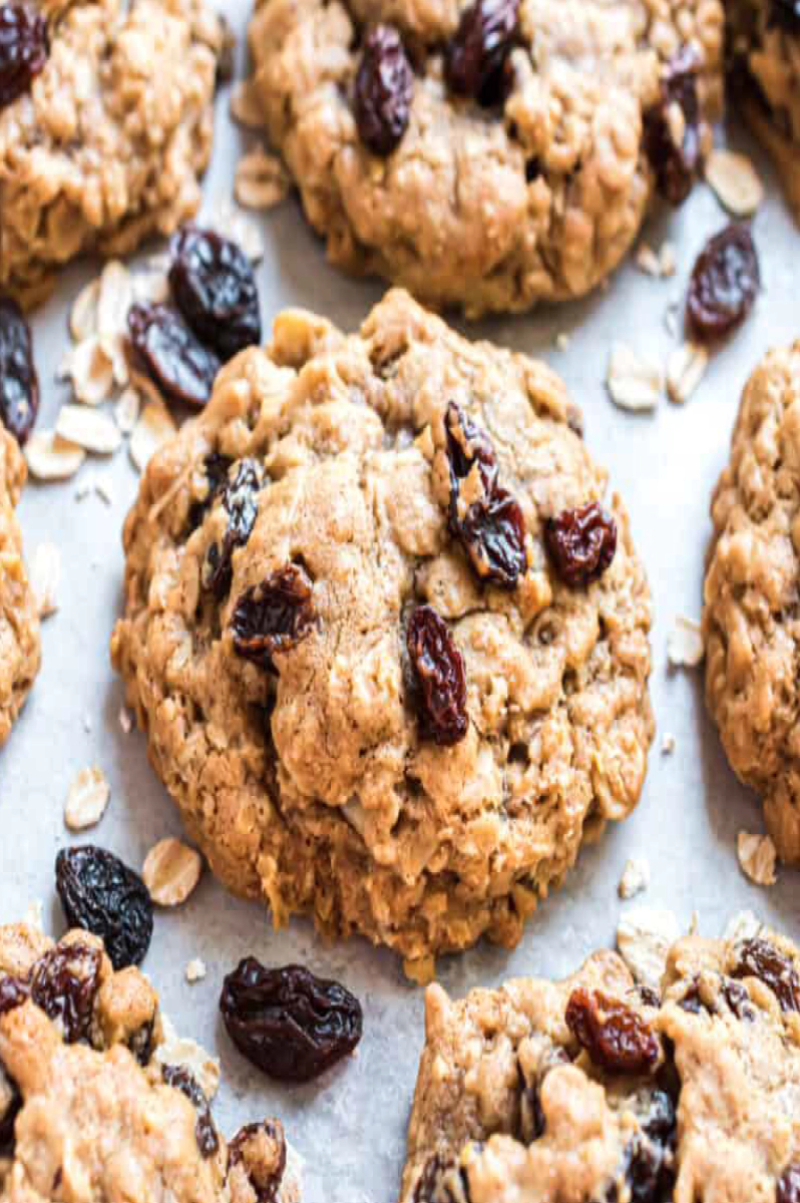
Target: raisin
[[787, 1189], [581, 543], [442, 1182], [19, 383], [216, 471], [240, 501], [274, 616], [140, 1042], [476, 60], [675, 165], [23, 49], [439, 677], [179, 1077], [616, 1038], [260, 1149], [101, 894], [215, 289], [384, 90], [785, 15], [532, 1121], [64, 983], [738, 999], [289, 1022], [724, 282], [171, 355], [13, 993], [758, 958], [649, 997]]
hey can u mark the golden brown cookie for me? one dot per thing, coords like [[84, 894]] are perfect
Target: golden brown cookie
[[19, 620]]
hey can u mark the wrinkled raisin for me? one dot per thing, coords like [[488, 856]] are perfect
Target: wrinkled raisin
[[64, 983], [274, 616], [215, 289], [13, 993], [724, 283], [102, 895], [785, 14], [476, 60], [260, 1150], [23, 49], [384, 90], [179, 1077], [650, 1169], [19, 383], [676, 164], [174, 358], [442, 1182], [438, 669], [140, 1042], [531, 1118], [216, 472], [788, 1186], [240, 499], [289, 1022], [616, 1038], [581, 543], [758, 958]]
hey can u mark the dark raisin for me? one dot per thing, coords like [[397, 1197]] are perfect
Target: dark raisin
[[13, 993], [787, 1189], [442, 1181], [260, 1150], [675, 165], [384, 90], [274, 616], [467, 445], [184, 1080], [438, 669], [785, 15], [649, 997], [216, 470], [174, 358], [64, 983], [215, 289], [691, 1000], [616, 1038], [532, 1121], [19, 383], [738, 999], [476, 60], [724, 283], [140, 1042], [23, 49], [101, 894], [240, 499], [289, 1022], [581, 543], [758, 958]]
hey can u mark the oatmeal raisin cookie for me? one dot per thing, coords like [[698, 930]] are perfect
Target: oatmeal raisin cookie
[[19, 620]]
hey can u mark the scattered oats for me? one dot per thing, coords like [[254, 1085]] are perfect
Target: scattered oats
[[648, 261], [671, 319], [125, 720], [685, 368], [756, 858], [195, 971], [562, 341], [668, 744], [261, 180], [171, 871], [116, 297], [87, 799], [33, 915], [231, 222], [633, 381], [87, 724], [83, 315], [154, 428], [91, 369], [88, 428], [104, 491], [635, 877], [735, 182], [176, 1050], [126, 410], [645, 935], [50, 457], [744, 925], [667, 260], [45, 578], [245, 107], [684, 643]]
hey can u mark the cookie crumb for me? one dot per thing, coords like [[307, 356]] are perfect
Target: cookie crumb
[[667, 260], [648, 261], [634, 382], [87, 799], [171, 871], [668, 744], [195, 970], [45, 578], [684, 643], [645, 935], [635, 877], [734, 181], [686, 366], [562, 341], [261, 180], [756, 858]]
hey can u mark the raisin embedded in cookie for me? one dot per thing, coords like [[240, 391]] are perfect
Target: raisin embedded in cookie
[[92, 1099], [386, 634], [19, 620], [487, 154], [750, 624], [540, 1091], [105, 127]]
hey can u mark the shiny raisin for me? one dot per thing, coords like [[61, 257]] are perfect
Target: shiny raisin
[[23, 49], [787, 1189], [675, 115], [179, 1077], [758, 958], [13, 993], [216, 472], [289, 1022], [384, 89], [476, 60], [19, 383], [531, 1115], [259, 1151], [581, 543], [438, 669], [102, 895], [214, 287], [785, 15], [64, 983], [273, 617], [650, 1160], [171, 355], [240, 501], [140, 1042], [616, 1038], [724, 283]]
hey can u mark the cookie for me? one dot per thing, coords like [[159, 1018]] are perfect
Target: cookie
[[105, 143], [374, 694], [531, 186], [92, 1098], [585, 1090], [19, 620], [750, 627]]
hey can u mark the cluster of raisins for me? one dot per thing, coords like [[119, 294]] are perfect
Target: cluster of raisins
[[19, 383]]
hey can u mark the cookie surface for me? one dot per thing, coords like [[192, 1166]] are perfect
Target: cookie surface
[[406, 731], [106, 145], [19, 620], [750, 626], [581, 1090], [536, 197]]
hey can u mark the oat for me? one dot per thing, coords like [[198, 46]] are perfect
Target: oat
[[177, 1050], [668, 744], [83, 315], [261, 180], [756, 858], [91, 369], [195, 970], [684, 643], [645, 935], [50, 457], [744, 925], [633, 381], [245, 108], [88, 428], [126, 410], [635, 877], [45, 578], [648, 261], [114, 301], [154, 428], [171, 871], [87, 799], [685, 368], [125, 720], [735, 182]]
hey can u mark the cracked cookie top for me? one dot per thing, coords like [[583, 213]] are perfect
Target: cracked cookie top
[[386, 637], [19, 620]]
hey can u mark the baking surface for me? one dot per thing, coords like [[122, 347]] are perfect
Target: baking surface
[[350, 1126]]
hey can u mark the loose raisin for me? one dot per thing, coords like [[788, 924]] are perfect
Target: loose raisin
[[758, 958], [179, 1077], [438, 669], [272, 618], [788, 1186], [384, 90], [240, 500], [289, 1022], [64, 983], [24, 49], [476, 60], [260, 1150], [215, 289], [581, 543], [724, 283], [102, 895], [167, 350], [675, 163], [616, 1038], [19, 383]]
